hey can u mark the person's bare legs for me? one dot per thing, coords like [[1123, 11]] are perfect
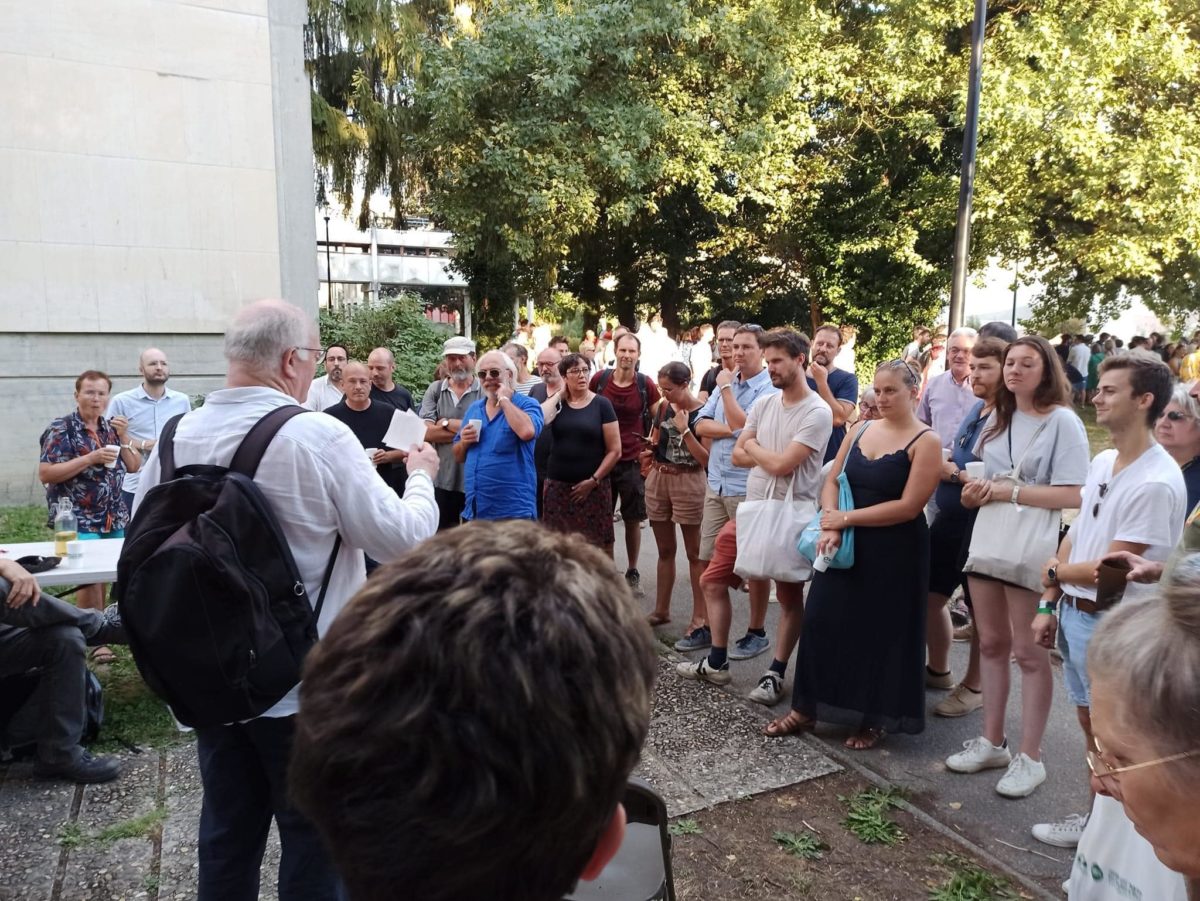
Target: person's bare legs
[[939, 633], [760, 597], [633, 541], [971, 677], [791, 619], [720, 612], [691, 547], [664, 538], [90, 597], [1037, 679], [994, 629]]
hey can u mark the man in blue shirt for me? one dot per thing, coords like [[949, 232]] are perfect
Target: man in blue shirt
[[721, 420], [837, 387], [495, 445], [147, 407]]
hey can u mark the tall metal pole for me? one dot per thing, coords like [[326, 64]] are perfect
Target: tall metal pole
[[1016, 280], [328, 268], [962, 234]]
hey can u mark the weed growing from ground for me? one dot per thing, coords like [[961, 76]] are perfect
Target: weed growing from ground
[[804, 845], [868, 816]]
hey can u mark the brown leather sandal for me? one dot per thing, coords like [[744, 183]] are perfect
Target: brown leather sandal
[[791, 723]]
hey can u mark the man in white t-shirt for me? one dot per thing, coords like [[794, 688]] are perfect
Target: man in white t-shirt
[[1079, 356], [783, 440], [326, 391], [1133, 500]]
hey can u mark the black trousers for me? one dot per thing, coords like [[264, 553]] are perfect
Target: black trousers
[[450, 507], [243, 767]]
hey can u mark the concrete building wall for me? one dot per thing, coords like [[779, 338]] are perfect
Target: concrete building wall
[[155, 176]]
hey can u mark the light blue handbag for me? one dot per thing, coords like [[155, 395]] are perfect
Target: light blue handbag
[[807, 545]]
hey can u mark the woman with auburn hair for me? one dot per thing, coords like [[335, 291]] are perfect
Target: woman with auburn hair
[[1035, 454]]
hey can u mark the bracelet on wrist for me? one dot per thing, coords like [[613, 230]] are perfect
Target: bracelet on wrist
[[1045, 608]]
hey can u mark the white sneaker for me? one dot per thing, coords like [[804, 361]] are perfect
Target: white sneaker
[[1023, 776], [702, 672], [979, 754], [1066, 887], [1063, 834], [769, 689]]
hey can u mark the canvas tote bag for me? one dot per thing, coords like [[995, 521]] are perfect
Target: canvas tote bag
[[767, 534]]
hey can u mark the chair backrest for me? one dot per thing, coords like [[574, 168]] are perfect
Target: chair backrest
[[638, 872]]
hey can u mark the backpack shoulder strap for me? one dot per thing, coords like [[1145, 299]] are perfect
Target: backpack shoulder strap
[[250, 452], [605, 375], [642, 390], [316, 616], [166, 449]]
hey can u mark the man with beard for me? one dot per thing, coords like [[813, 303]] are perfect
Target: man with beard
[[445, 402], [147, 408], [381, 363], [495, 445], [552, 383], [327, 390], [837, 387], [725, 332]]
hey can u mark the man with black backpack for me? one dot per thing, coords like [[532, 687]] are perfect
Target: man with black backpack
[[250, 525], [632, 395]]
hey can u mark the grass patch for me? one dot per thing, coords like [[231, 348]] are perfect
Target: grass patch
[[133, 715], [868, 816], [1098, 437], [804, 845], [684, 827], [19, 524], [72, 835], [970, 883]]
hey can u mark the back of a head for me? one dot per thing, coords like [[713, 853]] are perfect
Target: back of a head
[[1001, 330], [262, 332], [1148, 654], [468, 724]]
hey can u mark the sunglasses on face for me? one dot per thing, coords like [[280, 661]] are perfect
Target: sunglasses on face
[[489, 373], [1175, 416]]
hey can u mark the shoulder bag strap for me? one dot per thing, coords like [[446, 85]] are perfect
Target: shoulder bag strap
[[1016, 470], [250, 452], [853, 442], [337, 546], [166, 449]]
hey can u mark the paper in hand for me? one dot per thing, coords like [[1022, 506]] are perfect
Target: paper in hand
[[407, 429]]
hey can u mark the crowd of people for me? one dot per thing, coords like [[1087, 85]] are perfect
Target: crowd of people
[[948, 477]]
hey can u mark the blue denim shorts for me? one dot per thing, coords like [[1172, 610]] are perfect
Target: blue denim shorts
[[1074, 632]]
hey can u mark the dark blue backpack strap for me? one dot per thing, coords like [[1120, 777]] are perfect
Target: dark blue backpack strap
[[250, 452], [166, 449]]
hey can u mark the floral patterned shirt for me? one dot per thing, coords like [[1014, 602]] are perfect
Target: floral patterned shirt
[[96, 492]]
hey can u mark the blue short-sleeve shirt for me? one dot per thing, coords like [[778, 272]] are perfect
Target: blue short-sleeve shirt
[[500, 476]]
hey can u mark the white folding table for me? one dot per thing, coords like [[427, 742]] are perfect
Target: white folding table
[[97, 564]]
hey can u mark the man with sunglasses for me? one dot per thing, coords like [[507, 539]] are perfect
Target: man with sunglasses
[[495, 445], [1133, 500]]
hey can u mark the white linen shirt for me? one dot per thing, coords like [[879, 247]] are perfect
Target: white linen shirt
[[322, 395], [319, 484]]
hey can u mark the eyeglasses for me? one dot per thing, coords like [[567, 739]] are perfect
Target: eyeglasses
[[489, 373], [1102, 770], [1176, 416], [1096, 506], [578, 370], [319, 352], [546, 365]]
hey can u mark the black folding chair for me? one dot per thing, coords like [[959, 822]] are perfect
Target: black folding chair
[[641, 869]]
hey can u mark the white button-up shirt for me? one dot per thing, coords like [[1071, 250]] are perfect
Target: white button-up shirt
[[319, 484], [322, 395], [147, 415]]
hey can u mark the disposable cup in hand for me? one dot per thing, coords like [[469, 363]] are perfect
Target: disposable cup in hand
[[822, 563], [476, 424], [371, 452], [116, 449], [945, 454], [1111, 579], [975, 470]]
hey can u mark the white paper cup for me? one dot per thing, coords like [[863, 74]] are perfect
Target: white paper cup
[[945, 454], [821, 563], [476, 424], [113, 447], [74, 548], [975, 470], [371, 451]]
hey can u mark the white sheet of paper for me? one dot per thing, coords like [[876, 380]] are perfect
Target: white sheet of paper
[[407, 429]]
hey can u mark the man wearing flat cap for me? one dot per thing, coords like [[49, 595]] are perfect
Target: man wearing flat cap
[[445, 402]]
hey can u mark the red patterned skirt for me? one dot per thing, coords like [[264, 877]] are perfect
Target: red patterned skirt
[[592, 518]]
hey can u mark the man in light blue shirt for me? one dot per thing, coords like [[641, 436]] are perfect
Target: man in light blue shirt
[[147, 407], [721, 421]]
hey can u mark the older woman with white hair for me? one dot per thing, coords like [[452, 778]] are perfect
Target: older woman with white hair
[[1178, 431], [1144, 663]]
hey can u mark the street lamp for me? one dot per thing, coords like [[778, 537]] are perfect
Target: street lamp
[[328, 268], [966, 185]]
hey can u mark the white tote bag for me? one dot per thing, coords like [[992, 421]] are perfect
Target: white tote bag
[[767, 534]]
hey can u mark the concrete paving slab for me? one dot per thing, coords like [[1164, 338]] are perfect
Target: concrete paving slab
[[178, 866], [33, 814]]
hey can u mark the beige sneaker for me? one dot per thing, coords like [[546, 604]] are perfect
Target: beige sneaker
[[965, 633], [959, 702]]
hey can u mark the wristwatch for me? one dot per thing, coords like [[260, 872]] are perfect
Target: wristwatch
[[1052, 574], [443, 423], [954, 476]]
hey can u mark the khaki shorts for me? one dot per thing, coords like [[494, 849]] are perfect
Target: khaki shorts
[[676, 496], [718, 510]]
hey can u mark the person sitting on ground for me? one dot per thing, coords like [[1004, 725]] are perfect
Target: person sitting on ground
[[85, 456], [39, 631], [1178, 431], [495, 445], [454, 772], [1144, 666]]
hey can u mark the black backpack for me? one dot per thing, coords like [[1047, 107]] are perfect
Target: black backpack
[[606, 376], [218, 618]]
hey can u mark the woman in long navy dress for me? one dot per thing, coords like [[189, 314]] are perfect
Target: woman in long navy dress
[[861, 661]]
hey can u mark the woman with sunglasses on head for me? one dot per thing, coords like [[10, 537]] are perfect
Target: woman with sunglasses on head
[[577, 496], [675, 490], [1035, 454], [1178, 431], [1144, 664], [862, 648]]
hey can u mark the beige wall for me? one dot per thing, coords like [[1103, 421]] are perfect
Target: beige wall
[[155, 175]]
